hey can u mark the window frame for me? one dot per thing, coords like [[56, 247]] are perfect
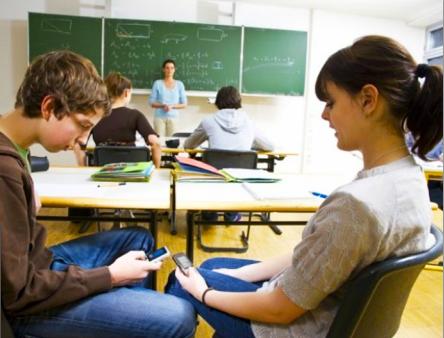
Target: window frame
[[431, 53]]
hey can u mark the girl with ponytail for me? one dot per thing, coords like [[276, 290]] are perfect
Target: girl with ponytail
[[374, 92]]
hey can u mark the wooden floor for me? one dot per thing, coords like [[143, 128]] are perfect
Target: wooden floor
[[423, 316]]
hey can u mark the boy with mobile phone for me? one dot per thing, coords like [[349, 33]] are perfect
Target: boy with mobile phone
[[71, 289]]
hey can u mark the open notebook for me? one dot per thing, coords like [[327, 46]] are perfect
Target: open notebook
[[188, 169]]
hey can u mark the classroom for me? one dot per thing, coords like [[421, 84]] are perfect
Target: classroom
[[289, 113]]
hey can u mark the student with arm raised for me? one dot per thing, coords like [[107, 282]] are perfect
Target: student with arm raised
[[373, 96]]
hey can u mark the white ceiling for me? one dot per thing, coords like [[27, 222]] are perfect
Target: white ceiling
[[413, 12]]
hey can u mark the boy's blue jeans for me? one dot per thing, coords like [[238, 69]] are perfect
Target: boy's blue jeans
[[224, 324], [132, 311]]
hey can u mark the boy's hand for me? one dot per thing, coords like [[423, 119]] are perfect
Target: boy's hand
[[131, 267], [38, 203]]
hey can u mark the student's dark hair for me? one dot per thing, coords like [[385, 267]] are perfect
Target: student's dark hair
[[228, 97], [168, 61], [387, 65], [69, 78], [116, 84]]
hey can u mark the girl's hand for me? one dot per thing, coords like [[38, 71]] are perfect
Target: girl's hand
[[131, 267], [193, 283]]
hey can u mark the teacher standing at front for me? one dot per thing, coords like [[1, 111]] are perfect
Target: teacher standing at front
[[167, 96]]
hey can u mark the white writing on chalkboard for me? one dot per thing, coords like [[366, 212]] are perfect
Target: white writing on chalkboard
[[62, 26], [137, 49]]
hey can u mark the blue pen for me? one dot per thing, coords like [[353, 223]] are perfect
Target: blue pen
[[318, 194]]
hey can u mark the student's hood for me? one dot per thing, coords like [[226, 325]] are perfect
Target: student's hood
[[231, 120]]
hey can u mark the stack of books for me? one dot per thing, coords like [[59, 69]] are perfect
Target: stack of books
[[190, 170], [125, 172]]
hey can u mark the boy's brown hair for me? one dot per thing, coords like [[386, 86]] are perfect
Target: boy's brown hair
[[69, 78]]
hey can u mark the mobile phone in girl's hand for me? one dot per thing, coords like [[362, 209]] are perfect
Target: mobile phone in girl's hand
[[183, 262]]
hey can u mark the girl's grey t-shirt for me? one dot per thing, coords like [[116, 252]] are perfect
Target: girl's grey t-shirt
[[384, 212]]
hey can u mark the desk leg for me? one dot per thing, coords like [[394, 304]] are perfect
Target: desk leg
[[265, 217], [153, 226], [270, 163], [153, 229], [173, 228], [190, 235]]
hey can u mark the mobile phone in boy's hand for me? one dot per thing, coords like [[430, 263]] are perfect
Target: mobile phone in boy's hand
[[183, 262], [159, 254]]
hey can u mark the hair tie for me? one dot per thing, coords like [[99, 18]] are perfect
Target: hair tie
[[422, 70]]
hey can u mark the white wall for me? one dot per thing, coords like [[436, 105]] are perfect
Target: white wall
[[330, 32], [292, 122]]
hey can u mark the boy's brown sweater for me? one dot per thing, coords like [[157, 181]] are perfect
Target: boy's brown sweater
[[28, 285]]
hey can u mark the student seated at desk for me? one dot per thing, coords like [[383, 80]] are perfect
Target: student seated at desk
[[120, 127], [229, 128], [92, 286], [368, 89]]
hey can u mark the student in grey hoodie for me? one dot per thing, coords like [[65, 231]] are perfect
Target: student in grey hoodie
[[230, 128]]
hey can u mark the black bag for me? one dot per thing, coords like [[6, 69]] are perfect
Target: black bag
[[39, 163]]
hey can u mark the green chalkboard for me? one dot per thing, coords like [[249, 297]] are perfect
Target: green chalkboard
[[207, 56], [274, 61], [49, 32]]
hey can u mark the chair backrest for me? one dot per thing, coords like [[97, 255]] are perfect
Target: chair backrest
[[182, 134], [230, 158], [113, 154], [375, 299]]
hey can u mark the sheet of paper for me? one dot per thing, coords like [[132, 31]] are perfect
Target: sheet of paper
[[277, 191]]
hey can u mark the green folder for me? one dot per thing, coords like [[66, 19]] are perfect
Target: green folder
[[125, 172]]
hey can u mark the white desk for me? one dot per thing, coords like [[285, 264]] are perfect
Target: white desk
[[194, 197], [72, 187]]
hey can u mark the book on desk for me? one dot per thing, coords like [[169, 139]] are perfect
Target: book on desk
[[191, 170], [125, 172]]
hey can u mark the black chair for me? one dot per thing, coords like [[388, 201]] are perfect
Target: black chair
[[375, 299], [229, 159], [113, 154]]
